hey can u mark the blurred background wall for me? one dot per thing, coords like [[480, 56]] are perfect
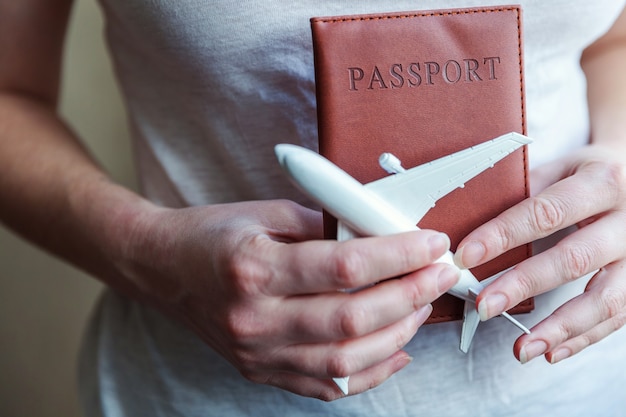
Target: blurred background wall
[[45, 303]]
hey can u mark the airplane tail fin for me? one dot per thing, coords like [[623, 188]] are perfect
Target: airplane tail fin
[[471, 319], [342, 383]]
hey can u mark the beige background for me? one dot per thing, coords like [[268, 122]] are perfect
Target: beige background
[[43, 302]]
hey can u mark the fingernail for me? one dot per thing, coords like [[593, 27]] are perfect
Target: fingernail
[[403, 362], [492, 305], [438, 243], [560, 354], [423, 313], [470, 254], [532, 350], [448, 277]]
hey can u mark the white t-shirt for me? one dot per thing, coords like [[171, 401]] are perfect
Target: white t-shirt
[[211, 87]]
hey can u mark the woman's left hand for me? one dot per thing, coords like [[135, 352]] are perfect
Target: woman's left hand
[[587, 189]]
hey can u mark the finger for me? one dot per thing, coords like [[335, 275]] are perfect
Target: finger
[[584, 320], [525, 351], [547, 174], [578, 254], [322, 266], [565, 203], [377, 374], [349, 357], [340, 316], [577, 344], [326, 389]]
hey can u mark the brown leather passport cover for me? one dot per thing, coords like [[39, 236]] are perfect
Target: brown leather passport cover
[[423, 85]]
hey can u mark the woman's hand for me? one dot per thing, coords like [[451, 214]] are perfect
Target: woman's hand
[[588, 189], [246, 277], [255, 281]]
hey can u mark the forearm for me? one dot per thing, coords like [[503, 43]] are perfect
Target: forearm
[[51, 191], [54, 194], [604, 64]]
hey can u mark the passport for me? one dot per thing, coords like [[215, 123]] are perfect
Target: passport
[[423, 85]]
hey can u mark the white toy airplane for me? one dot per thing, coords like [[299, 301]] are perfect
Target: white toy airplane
[[396, 203]]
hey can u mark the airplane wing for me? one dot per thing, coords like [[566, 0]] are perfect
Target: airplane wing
[[415, 191]]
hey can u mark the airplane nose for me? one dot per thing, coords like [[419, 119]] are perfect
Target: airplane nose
[[286, 152], [281, 151]]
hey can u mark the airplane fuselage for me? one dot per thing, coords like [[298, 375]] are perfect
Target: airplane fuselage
[[362, 210]]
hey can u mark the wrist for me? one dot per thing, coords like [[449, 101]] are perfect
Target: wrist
[[140, 241], [111, 233]]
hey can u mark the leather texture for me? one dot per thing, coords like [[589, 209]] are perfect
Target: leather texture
[[423, 85]]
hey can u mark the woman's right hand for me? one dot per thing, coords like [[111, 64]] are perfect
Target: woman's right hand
[[256, 282]]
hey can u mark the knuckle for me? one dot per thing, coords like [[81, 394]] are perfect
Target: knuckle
[[350, 268], [340, 365], [247, 274], [505, 234], [612, 175], [578, 259], [287, 206], [415, 295], [613, 302], [326, 395], [242, 327], [617, 182], [420, 293], [585, 340], [525, 286], [619, 321], [413, 255], [564, 330], [548, 215], [352, 321], [615, 175]]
